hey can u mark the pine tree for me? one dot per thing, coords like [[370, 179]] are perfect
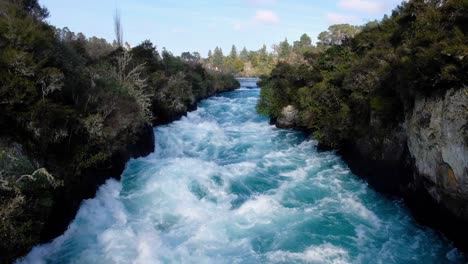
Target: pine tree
[[244, 54], [218, 58], [284, 49], [233, 53], [263, 54]]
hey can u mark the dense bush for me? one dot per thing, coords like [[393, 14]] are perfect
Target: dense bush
[[72, 102], [364, 84]]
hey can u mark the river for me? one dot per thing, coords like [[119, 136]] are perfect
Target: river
[[224, 186]]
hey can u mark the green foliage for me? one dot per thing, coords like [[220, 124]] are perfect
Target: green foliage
[[361, 80], [303, 45], [73, 103], [26, 198], [218, 58], [337, 34], [259, 62], [284, 49]]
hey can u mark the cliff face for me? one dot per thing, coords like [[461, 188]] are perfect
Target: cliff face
[[423, 160], [288, 117], [393, 100], [437, 133]]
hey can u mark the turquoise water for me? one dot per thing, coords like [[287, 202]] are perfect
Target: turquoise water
[[226, 187]]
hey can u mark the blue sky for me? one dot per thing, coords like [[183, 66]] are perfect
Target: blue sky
[[201, 25]]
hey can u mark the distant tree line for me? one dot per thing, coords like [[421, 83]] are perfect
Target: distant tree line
[[261, 62]]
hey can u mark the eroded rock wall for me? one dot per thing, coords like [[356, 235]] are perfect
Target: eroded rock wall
[[437, 141]]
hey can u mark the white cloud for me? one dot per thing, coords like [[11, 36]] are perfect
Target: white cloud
[[334, 18], [237, 26], [266, 16], [362, 5]]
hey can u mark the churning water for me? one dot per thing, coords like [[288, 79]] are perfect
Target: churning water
[[224, 186]]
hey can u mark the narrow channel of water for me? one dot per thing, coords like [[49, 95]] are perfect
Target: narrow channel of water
[[224, 186]]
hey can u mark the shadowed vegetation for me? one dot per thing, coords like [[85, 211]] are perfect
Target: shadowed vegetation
[[360, 84], [69, 103]]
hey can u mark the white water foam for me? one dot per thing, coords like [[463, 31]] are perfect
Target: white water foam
[[224, 186]]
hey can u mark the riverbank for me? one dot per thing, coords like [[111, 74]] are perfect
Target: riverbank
[[65, 200], [393, 103], [224, 186], [389, 165], [391, 162], [398, 179], [74, 110]]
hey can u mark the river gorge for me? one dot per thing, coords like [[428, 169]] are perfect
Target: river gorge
[[225, 186]]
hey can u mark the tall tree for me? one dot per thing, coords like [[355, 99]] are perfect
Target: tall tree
[[302, 44], [336, 34], [244, 54], [118, 28], [263, 54], [210, 56], [233, 54], [218, 58], [284, 49], [196, 55]]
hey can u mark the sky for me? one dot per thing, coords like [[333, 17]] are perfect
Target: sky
[[200, 25]]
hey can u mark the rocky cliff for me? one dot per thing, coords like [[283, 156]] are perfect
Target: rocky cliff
[[288, 117], [437, 132], [423, 160]]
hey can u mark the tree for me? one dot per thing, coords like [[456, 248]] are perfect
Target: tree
[[31, 7], [51, 80], [97, 48], [218, 58], [69, 104], [233, 54], [130, 77], [284, 49], [118, 29], [186, 56], [304, 43], [336, 34], [196, 56], [147, 53], [244, 54]]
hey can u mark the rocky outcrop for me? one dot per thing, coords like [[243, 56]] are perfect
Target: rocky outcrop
[[288, 117], [167, 114], [421, 156], [424, 160], [382, 159], [437, 132]]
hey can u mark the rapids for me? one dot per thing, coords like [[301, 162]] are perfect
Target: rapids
[[224, 186]]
